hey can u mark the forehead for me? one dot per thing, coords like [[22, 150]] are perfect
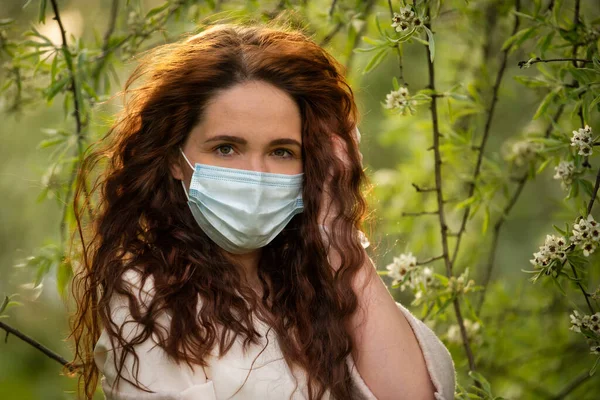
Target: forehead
[[255, 110]]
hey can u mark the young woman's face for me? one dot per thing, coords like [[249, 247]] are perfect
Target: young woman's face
[[253, 126]]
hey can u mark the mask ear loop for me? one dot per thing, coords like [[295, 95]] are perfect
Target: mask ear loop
[[186, 159], [183, 184]]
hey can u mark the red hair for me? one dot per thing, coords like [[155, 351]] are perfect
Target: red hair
[[142, 220]]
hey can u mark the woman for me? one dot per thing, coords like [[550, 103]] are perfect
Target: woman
[[225, 261]]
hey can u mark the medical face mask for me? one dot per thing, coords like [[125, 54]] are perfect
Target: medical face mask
[[242, 210]]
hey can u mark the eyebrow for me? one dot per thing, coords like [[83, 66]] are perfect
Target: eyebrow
[[239, 140]]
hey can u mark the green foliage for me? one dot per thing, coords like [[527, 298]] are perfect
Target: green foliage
[[470, 140]]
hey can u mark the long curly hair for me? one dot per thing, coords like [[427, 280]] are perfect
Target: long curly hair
[[142, 219]]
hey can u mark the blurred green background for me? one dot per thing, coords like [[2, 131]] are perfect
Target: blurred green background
[[527, 350]]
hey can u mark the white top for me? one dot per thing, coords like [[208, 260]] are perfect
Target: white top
[[270, 379]]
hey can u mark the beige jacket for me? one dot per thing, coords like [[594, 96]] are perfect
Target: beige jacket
[[270, 379]]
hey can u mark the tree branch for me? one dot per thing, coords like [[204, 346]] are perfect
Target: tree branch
[[106, 43], [500, 223], [594, 193], [430, 260], [416, 214], [419, 189], [78, 121], [397, 47], [56, 357], [440, 200], [368, 10], [578, 381], [486, 133], [539, 60]]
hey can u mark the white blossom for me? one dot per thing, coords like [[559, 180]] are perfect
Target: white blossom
[[554, 248], [453, 335], [523, 151], [586, 234], [406, 20], [400, 100], [461, 284], [588, 322], [582, 140], [564, 172], [400, 267]]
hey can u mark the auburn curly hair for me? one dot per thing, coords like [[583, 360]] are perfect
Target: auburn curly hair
[[142, 219]]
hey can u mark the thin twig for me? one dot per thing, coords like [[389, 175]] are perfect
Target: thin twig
[[500, 223], [576, 21], [538, 60], [78, 121], [579, 380], [594, 193], [519, 189], [585, 293], [56, 357], [106, 43], [332, 8], [420, 189], [486, 133], [416, 214], [398, 52], [331, 34], [440, 201], [367, 12], [430, 260]]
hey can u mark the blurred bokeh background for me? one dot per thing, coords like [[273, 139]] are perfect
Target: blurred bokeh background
[[526, 350]]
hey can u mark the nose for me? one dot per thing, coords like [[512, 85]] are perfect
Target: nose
[[257, 163]]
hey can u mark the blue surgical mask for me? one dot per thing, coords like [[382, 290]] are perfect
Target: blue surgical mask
[[242, 210]]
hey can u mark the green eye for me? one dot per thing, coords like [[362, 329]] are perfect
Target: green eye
[[225, 149], [283, 153]]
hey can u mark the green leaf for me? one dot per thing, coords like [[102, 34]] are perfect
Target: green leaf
[[89, 90], [64, 274], [523, 15], [545, 42], [467, 202], [365, 49], [486, 220], [42, 13], [484, 383], [4, 304], [54, 89], [574, 189], [378, 25], [595, 366], [588, 187], [458, 96], [374, 42], [546, 102], [157, 10], [51, 142], [395, 83], [518, 38], [543, 165], [558, 285], [376, 60], [564, 233], [53, 69], [431, 43], [532, 82], [593, 104]]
